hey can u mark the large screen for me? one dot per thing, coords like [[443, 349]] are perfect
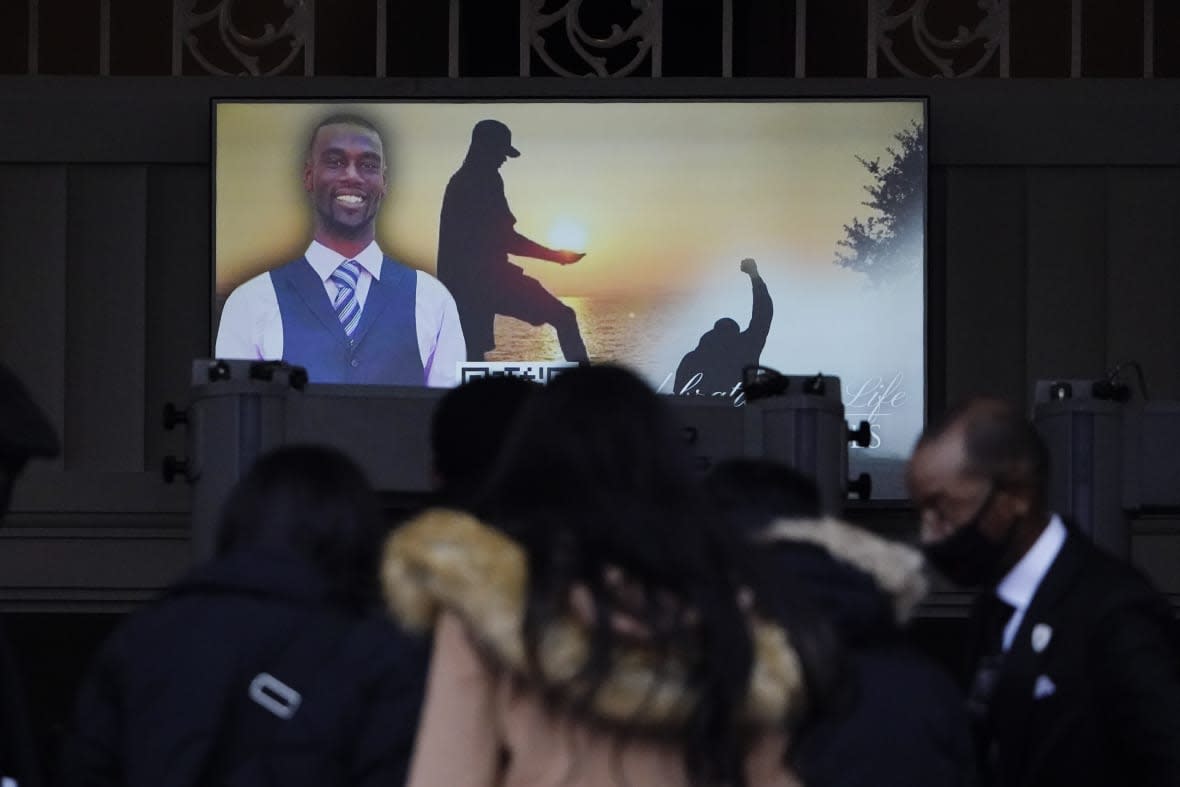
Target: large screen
[[424, 242]]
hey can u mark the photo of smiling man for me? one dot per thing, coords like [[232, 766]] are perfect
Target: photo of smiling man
[[345, 310]]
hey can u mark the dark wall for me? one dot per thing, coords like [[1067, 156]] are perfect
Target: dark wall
[[1053, 233], [1053, 240]]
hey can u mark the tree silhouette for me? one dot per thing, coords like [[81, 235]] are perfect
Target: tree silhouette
[[888, 243]]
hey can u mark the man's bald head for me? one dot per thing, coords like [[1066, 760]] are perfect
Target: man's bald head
[[998, 443]]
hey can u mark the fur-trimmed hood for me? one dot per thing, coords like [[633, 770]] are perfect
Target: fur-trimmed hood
[[861, 579], [447, 560]]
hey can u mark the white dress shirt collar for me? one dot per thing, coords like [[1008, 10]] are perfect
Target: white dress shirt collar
[[1020, 584], [323, 260]]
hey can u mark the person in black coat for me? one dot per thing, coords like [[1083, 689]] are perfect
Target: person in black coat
[[1073, 668], [271, 664], [25, 433], [895, 719]]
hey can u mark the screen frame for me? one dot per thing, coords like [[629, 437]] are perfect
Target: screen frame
[[637, 90]]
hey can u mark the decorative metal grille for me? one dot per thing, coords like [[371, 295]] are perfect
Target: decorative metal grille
[[557, 34], [966, 52], [214, 34], [608, 38]]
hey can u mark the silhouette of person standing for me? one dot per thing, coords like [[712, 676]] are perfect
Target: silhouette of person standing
[[715, 366], [476, 235]]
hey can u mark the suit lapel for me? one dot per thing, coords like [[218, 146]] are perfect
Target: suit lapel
[[1053, 588], [974, 639], [1024, 679], [310, 288]]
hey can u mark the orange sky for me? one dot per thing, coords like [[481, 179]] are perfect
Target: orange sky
[[665, 194]]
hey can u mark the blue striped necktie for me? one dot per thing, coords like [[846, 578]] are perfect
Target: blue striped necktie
[[347, 307]]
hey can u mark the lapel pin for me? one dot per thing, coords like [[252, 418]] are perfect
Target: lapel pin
[[1041, 634], [1044, 687]]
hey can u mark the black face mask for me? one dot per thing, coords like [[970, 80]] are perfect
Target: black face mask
[[967, 557]]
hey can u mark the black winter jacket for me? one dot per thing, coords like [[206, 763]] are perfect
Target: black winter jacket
[[170, 691], [902, 723]]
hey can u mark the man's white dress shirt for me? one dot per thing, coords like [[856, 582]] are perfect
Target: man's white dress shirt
[[1020, 584]]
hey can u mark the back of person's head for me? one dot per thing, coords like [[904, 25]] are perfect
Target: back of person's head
[[595, 457], [752, 493], [315, 503], [595, 484], [723, 332], [25, 433], [1000, 444], [727, 327], [469, 426]]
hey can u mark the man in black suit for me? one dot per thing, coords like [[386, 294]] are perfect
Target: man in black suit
[[1074, 665]]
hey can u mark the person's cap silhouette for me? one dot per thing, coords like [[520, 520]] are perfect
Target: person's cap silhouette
[[494, 136]]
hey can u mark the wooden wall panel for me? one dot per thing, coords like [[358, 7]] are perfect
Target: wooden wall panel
[[179, 284], [1155, 549], [1144, 274], [105, 230], [33, 282], [1066, 273], [1053, 248], [936, 251], [88, 568], [981, 122], [985, 282]]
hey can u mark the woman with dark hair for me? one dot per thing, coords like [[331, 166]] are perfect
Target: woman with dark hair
[[589, 631], [271, 664]]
